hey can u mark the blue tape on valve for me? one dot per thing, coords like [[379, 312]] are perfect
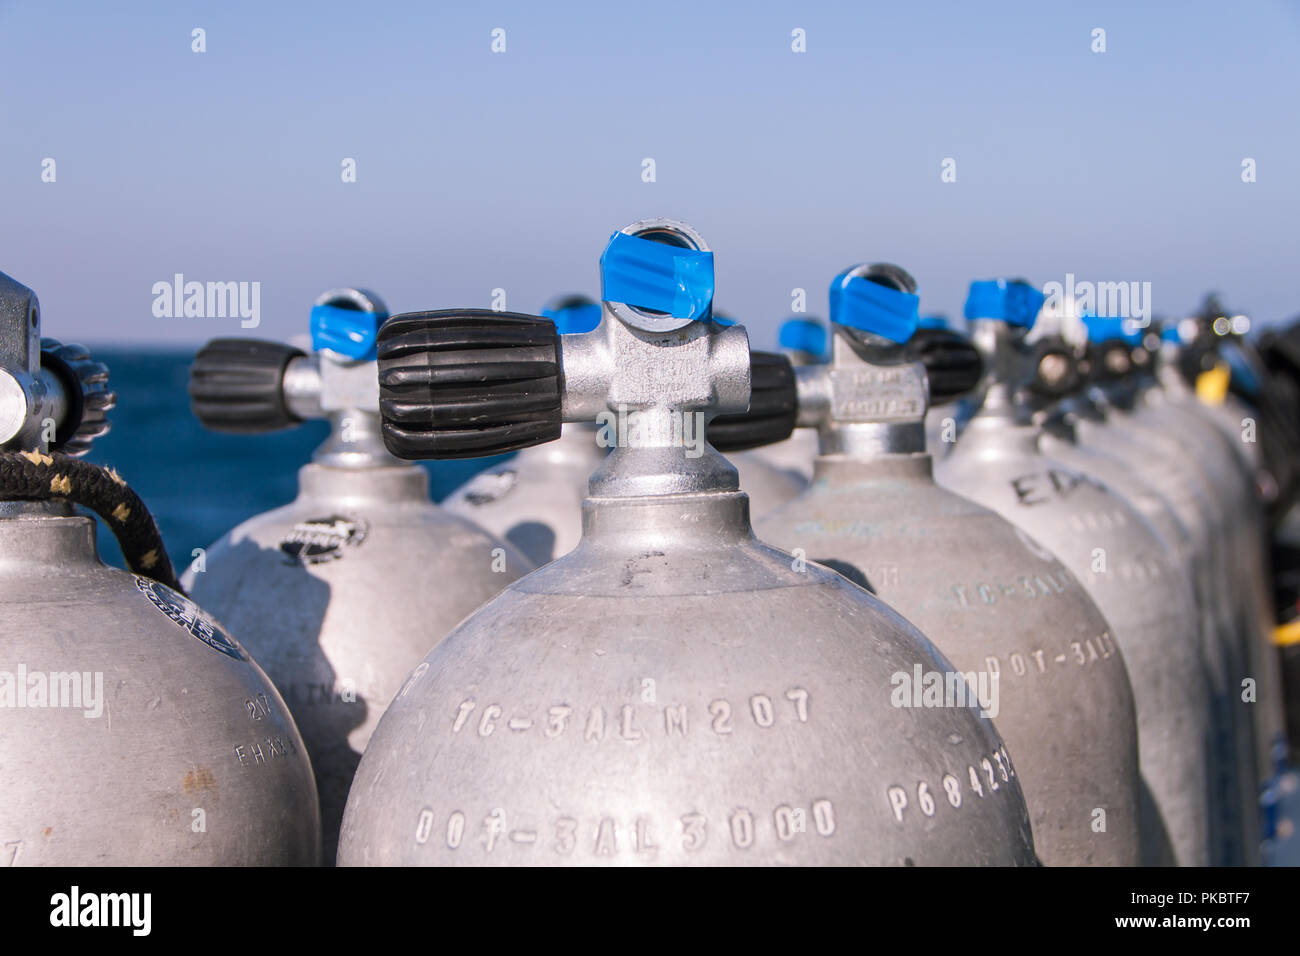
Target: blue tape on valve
[[575, 319], [657, 277], [870, 307], [1103, 328], [804, 335], [933, 322], [1016, 303], [349, 332]]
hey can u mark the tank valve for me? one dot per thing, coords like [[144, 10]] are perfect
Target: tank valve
[[248, 386], [466, 383], [54, 402], [883, 369]]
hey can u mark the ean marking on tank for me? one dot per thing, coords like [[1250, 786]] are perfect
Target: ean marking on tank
[[185, 613], [9, 851], [629, 722], [486, 487], [318, 540], [1036, 488], [253, 755], [606, 836], [983, 782]]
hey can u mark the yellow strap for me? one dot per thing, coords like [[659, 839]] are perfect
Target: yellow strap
[[1284, 635], [1212, 386]]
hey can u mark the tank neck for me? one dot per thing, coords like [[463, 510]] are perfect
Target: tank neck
[[865, 441], [869, 400], [845, 469], [635, 471], [710, 520], [994, 435], [48, 541], [35, 509], [356, 441], [999, 345], [388, 484]]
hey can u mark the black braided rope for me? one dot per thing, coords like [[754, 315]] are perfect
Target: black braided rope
[[35, 476]]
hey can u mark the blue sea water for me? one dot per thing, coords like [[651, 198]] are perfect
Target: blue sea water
[[199, 484]]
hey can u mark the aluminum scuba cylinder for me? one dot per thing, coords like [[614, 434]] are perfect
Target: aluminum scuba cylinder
[[671, 691], [534, 500], [1166, 403], [1166, 451], [1182, 454], [134, 730], [1001, 607], [1118, 557], [1079, 431], [341, 592]]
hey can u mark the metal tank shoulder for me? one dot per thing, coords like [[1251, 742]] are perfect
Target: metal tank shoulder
[[193, 756], [609, 738]]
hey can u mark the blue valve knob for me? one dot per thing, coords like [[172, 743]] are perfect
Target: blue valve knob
[[657, 277], [868, 306], [573, 315], [349, 332], [804, 335], [1104, 328], [1013, 301]]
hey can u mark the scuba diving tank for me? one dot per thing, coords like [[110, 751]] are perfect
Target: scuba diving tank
[[341, 592], [1120, 559], [996, 603], [671, 691], [534, 500], [1081, 431], [768, 483], [804, 341], [134, 730], [1163, 403], [1205, 349]]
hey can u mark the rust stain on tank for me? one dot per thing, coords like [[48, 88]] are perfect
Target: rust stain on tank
[[198, 779]]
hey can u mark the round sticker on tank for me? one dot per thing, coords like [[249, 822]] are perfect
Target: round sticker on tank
[[318, 540], [486, 487], [186, 614]]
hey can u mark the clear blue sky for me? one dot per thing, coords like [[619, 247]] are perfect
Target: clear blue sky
[[479, 170]]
